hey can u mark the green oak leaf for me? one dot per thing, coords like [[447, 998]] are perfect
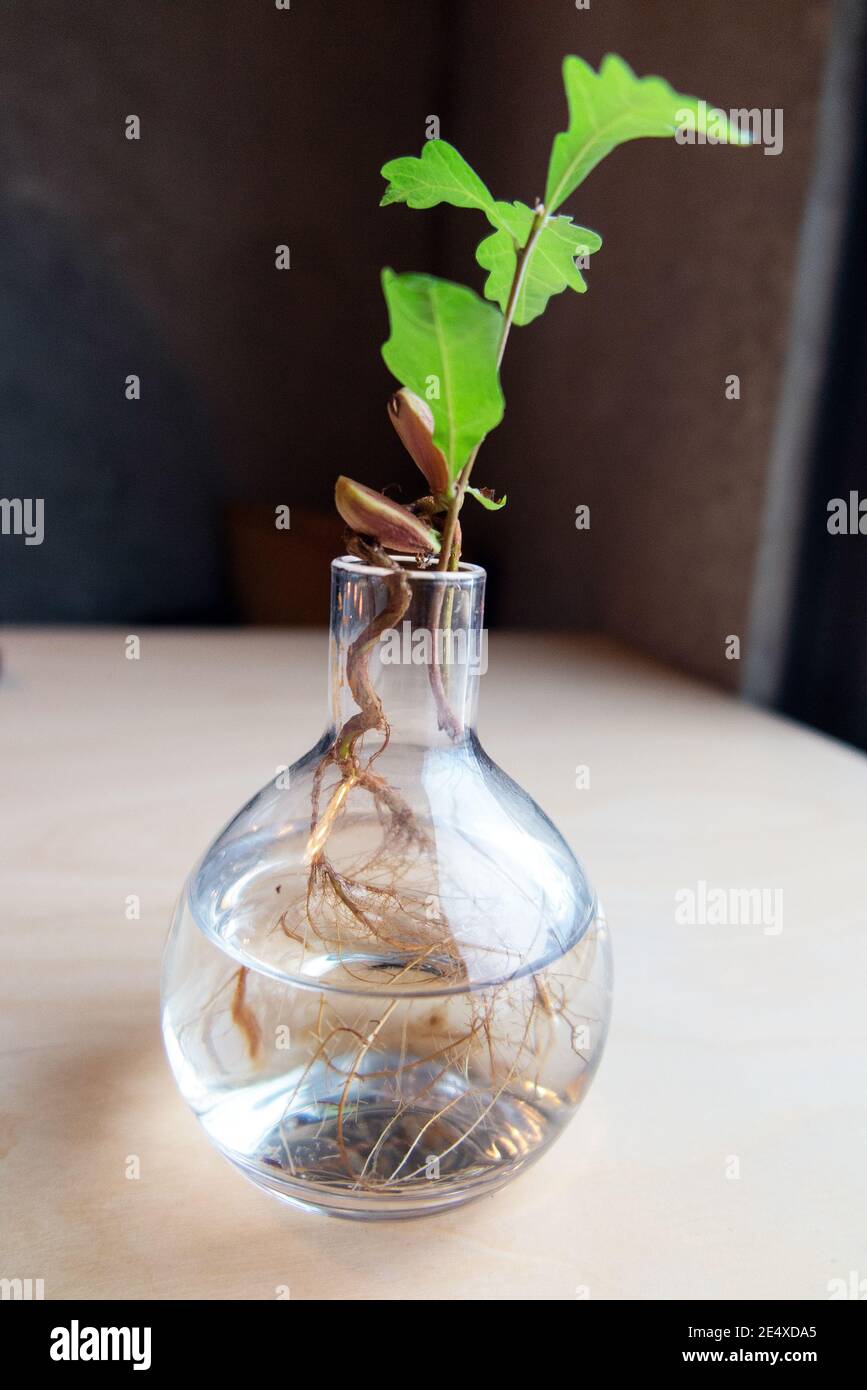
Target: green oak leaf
[[444, 336], [440, 176], [612, 106], [550, 267], [485, 495]]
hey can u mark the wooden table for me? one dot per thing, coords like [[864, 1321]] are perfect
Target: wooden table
[[721, 1150]]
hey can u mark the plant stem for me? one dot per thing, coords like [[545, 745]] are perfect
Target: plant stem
[[450, 545], [449, 551], [540, 217]]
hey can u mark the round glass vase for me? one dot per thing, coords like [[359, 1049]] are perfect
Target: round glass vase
[[387, 985]]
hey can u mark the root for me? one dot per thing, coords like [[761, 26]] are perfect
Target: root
[[243, 1017]]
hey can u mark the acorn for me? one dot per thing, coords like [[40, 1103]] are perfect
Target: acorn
[[371, 513], [413, 419]]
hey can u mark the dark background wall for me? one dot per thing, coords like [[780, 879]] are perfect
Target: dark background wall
[[261, 127], [618, 400]]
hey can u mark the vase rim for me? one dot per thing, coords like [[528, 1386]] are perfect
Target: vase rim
[[350, 565]]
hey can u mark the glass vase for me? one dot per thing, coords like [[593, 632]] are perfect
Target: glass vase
[[387, 984]]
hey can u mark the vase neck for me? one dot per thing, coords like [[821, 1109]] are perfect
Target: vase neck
[[407, 650]]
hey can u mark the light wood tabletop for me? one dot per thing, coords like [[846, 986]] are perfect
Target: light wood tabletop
[[720, 1152]]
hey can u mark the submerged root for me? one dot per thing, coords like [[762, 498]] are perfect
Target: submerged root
[[243, 1017], [410, 1087]]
